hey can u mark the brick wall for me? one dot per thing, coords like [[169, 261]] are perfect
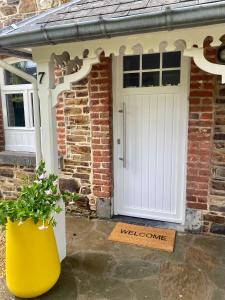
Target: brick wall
[[84, 131], [214, 218], [200, 133], [11, 178], [74, 142], [101, 127], [206, 148]]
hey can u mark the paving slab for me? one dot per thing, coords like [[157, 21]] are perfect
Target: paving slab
[[98, 269]]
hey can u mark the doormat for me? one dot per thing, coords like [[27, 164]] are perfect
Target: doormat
[[151, 237]]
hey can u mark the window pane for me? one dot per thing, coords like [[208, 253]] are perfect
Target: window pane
[[27, 66], [131, 63], [131, 80], [15, 110], [151, 61], [171, 59], [150, 79], [171, 77]]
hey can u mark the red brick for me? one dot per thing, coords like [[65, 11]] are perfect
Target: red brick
[[102, 194], [95, 128], [101, 122], [207, 116], [194, 101], [103, 171], [94, 88], [201, 108], [59, 118], [202, 206], [96, 165], [99, 95], [204, 173], [205, 77], [103, 108], [95, 141], [99, 81], [195, 85], [101, 159], [94, 115], [94, 74]]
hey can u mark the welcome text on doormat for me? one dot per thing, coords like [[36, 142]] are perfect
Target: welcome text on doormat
[[157, 238]]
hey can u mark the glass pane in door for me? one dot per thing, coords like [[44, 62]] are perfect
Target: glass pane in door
[[15, 110]]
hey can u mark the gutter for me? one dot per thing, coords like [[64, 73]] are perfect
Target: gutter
[[169, 19], [37, 124]]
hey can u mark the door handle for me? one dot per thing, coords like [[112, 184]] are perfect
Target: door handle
[[123, 112]]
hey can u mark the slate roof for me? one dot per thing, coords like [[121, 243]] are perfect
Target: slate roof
[[82, 11]]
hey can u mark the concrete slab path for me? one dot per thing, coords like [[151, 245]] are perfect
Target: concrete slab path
[[98, 269]]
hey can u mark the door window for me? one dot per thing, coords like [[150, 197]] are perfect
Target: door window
[[150, 70]]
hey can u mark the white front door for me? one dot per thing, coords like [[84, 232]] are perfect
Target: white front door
[[150, 136]]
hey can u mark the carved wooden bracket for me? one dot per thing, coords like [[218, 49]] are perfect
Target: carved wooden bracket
[[74, 77], [204, 64], [68, 65]]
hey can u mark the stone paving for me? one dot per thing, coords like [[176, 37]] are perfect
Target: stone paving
[[98, 269]]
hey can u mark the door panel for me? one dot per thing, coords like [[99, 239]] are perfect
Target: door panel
[[151, 184], [150, 141]]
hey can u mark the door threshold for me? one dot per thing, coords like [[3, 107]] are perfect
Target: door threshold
[[148, 223]]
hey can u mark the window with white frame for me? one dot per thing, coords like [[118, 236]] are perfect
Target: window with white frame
[[151, 70], [17, 102]]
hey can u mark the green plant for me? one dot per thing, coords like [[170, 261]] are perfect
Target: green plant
[[38, 201]]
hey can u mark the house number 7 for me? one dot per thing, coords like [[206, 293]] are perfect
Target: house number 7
[[41, 75]]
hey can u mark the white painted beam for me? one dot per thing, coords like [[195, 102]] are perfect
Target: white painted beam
[[49, 142]]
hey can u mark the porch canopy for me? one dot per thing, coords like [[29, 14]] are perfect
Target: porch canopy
[[74, 35]]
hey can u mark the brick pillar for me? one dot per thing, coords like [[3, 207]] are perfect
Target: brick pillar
[[200, 133], [61, 126], [74, 144], [101, 128]]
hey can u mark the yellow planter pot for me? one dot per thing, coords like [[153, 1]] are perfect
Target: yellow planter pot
[[32, 260]]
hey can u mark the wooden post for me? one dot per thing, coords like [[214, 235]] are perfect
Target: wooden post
[[49, 139]]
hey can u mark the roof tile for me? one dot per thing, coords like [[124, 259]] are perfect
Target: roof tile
[[88, 10]]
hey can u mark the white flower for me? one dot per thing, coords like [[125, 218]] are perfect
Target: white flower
[[43, 227], [55, 183], [71, 202], [20, 223], [37, 181], [42, 176], [48, 192]]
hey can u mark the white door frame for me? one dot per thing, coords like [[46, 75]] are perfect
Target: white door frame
[[117, 77]]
